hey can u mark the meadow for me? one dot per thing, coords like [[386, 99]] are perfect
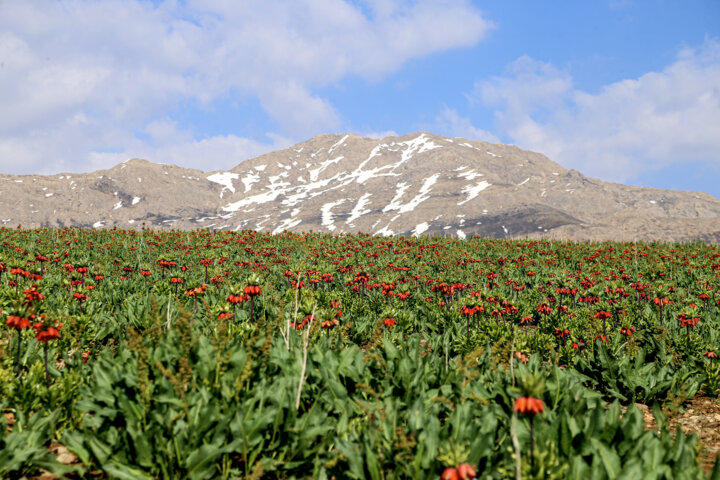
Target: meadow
[[137, 354]]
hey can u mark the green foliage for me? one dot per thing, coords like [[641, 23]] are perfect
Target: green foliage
[[180, 383]]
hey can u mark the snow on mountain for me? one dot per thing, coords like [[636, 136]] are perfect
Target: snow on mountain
[[416, 184]]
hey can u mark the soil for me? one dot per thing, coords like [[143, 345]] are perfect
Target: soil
[[700, 416]]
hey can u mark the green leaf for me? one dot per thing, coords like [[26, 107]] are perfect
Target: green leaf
[[610, 459]]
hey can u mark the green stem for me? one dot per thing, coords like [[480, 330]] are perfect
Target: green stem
[[532, 443], [19, 341], [47, 372]]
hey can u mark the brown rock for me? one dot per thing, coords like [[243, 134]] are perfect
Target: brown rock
[[414, 184]]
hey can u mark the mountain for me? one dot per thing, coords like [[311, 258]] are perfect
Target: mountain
[[417, 184]]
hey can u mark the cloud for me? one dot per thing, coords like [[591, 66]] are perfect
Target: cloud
[[450, 123], [213, 152], [622, 131], [83, 80]]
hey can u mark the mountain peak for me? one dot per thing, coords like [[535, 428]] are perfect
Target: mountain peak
[[413, 184]]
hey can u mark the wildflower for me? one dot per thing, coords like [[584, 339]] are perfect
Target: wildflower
[[522, 357], [528, 406], [466, 471], [450, 473], [17, 322], [544, 309], [627, 331], [252, 290]]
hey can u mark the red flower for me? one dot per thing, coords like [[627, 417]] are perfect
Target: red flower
[[528, 406], [46, 335], [522, 357], [544, 309], [602, 315], [710, 355], [562, 333], [32, 294], [235, 299], [450, 473], [686, 321], [627, 331], [389, 322], [80, 297], [329, 323], [18, 322], [46, 331], [466, 471], [252, 290]]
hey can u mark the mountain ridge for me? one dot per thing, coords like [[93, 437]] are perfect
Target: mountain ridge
[[419, 183]]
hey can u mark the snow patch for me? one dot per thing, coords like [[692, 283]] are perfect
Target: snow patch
[[473, 191], [286, 224], [315, 172], [327, 215], [470, 175], [249, 179], [117, 205], [394, 203], [225, 179], [136, 200], [359, 208], [461, 234], [420, 228], [524, 181], [422, 195], [337, 144], [98, 224], [419, 144]]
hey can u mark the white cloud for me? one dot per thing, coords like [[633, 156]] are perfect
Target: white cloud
[[208, 154], [380, 135], [450, 123], [81, 78], [627, 128]]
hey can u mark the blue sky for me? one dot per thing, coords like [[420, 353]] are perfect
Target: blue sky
[[625, 91]]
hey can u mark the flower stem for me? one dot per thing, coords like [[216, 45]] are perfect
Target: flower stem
[[47, 372], [19, 341], [532, 443]]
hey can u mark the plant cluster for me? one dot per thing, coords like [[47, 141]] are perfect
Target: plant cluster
[[247, 355]]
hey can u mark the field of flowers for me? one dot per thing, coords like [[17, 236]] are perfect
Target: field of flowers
[[148, 354]]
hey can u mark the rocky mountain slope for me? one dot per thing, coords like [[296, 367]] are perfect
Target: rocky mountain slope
[[417, 184]]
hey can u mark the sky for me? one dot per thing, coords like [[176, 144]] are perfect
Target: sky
[[621, 90]]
